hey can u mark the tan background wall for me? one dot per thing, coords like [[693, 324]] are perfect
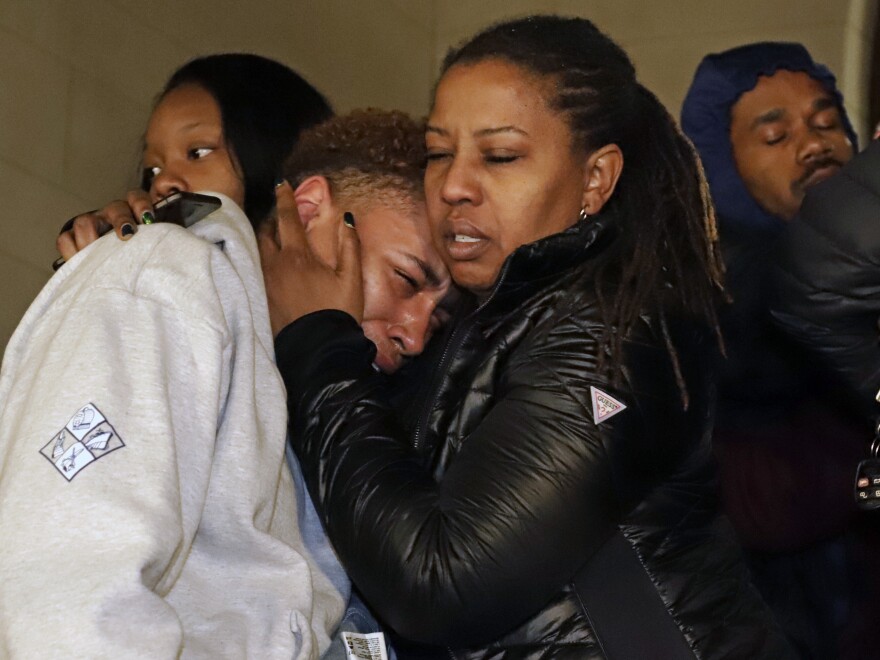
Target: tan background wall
[[77, 78]]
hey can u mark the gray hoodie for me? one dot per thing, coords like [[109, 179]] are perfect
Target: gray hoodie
[[145, 506]]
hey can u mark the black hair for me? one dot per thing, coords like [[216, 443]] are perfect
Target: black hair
[[264, 107], [666, 255]]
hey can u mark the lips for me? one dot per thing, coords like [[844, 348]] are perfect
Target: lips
[[464, 242], [388, 358], [387, 363], [817, 174]]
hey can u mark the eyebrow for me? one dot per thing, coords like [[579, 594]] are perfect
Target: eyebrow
[[824, 103], [185, 128], [431, 276], [192, 125], [500, 129], [771, 116], [484, 132]]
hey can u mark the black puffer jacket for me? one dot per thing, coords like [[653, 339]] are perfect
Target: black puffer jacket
[[472, 541], [828, 275]]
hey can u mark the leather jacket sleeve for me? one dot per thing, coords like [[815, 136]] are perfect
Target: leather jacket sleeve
[[828, 276], [528, 497]]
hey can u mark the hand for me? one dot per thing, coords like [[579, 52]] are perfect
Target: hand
[[298, 282], [123, 216]]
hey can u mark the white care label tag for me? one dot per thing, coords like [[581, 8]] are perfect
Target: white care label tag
[[365, 646], [605, 406]]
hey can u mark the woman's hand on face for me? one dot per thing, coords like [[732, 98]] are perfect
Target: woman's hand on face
[[298, 282], [123, 216]]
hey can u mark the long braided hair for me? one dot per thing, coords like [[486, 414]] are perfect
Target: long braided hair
[[666, 256]]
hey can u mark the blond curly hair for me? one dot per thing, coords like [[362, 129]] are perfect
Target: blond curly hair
[[366, 155]]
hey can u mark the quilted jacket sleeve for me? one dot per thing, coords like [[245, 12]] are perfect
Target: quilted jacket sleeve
[[528, 497], [828, 276]]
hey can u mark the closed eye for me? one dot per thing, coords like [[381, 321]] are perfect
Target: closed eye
[[828, 126], [501, 159], [410, 281]]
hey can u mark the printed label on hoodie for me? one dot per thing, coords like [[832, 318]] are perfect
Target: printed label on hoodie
[[85, 438]]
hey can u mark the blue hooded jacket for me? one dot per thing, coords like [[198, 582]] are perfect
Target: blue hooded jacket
[[765, 380], [718, 83], [786, 437]]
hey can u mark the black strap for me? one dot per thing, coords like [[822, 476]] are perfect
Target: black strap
[[627, 614]]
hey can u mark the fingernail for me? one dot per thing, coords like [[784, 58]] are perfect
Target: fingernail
[[128, 230], [148, 218], [279, 183], [348, 219]]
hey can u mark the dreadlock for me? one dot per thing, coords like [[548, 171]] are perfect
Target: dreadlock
[[666, 257]]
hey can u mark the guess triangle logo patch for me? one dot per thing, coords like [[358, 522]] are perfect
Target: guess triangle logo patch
[[605, 406]]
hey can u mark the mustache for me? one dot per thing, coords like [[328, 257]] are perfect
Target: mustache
[[827, 161]]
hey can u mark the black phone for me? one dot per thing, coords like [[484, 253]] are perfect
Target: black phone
[[185, 208], [181, 208]]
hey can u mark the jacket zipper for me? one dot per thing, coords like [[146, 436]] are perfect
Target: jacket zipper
[[443, 366], [452, 347]]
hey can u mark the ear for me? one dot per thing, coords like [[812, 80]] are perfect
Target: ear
[[313, 199], [319, 215], [603, 170]]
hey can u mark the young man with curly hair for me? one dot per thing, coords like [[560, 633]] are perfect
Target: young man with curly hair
[[367, 165], [370, 163]]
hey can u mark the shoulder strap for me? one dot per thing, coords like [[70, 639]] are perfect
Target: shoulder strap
[[627, 614]]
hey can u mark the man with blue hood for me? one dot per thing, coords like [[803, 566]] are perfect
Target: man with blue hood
[[769, 123]]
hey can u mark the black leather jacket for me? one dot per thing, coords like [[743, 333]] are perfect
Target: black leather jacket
[[467, 533], [828, 276]]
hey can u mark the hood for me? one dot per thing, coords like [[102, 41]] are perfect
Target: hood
[[719, 81]]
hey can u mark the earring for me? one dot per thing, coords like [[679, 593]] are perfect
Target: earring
[[583, 215]]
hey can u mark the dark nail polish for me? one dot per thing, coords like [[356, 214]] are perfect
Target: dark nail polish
[[148, 218], [348, 219], [279, 183], [127, 230]]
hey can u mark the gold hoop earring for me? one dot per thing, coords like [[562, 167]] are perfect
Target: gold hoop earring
[[583, 216]]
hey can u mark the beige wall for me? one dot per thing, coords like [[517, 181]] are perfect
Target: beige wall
[[77, 77], [667, 38]]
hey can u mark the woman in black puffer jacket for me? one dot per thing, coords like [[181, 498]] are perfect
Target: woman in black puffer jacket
[[552, 495]]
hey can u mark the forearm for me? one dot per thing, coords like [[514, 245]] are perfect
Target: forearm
[[848, 346], [827, 281], [442, 562]]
